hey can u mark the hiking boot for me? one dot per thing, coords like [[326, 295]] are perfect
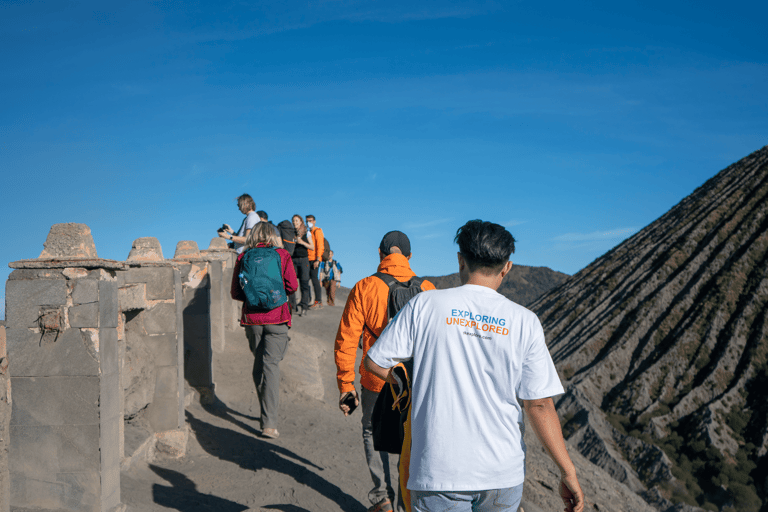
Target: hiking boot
[[316, 305], [383, 506], [271, 433]]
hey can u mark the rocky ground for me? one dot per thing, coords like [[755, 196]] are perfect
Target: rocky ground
[[318, 463]]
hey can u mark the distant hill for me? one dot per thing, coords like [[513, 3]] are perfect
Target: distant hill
[[522, 285], [664, 342]]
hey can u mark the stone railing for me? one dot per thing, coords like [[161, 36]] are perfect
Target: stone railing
[[98, 354]]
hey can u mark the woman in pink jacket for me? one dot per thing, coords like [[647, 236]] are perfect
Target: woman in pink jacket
[[266, 329]]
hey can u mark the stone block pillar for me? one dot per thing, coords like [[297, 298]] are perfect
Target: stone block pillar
[[62, 334], [196, 307], [5, 418], [151, 302], [225, 312]]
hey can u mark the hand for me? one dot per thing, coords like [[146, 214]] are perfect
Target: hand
[[571, 493], [228, 228], [315, 264], [222, 234], [345, 408]]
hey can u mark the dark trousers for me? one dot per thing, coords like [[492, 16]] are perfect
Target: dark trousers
[[301, 266], [268, 344], [316, 282]]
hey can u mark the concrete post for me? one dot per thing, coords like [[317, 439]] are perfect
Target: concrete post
[[196, 305], [222, 261], [151, 306], [5, 419], [62, 334]]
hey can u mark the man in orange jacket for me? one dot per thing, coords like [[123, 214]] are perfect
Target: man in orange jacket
[[366, 314]]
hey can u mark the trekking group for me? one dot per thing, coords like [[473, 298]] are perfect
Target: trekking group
[[448, 396]]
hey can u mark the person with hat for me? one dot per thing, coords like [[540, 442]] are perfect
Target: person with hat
[[365, 314]]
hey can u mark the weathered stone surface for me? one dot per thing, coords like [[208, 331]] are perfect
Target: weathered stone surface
[[159, 281], [218, 243], [71, 273], [27, 274], [55, 401], [109, 309], [146, 249], [86, 291], [172, 443], [45, 449], [162, 414], [187, 249], [160, 319], [2, 341], [84, 315], [24, 298], [132, 297], [70, 355], [69, 240], [138, 373], [164, 349], [108, 350], [47, 480]]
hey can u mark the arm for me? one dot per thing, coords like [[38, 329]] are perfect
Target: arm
[[289, 273], [347, 339], [308, 245], [319, 242], [382, 373], [235, 290], [546, 424]]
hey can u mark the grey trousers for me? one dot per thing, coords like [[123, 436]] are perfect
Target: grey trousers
[[378, 462], [268, 344]]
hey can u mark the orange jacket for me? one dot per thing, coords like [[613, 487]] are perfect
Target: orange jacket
[[319, 242], [367, 305]]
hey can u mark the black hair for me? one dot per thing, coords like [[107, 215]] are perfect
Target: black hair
[[262, 214], [484, 244]]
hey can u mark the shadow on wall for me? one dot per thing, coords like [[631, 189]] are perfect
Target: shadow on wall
[[253, 454], [198, 369]]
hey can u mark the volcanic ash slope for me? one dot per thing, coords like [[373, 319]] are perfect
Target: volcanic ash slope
[[663, 343]]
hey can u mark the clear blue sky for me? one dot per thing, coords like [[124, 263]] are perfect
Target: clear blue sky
[[575, 124]]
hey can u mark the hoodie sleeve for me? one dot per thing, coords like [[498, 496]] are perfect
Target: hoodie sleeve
[[347, 340]]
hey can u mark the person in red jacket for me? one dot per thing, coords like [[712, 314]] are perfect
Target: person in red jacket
[[267, 330]]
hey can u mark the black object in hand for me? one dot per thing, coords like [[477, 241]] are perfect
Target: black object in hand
[[349, 401]]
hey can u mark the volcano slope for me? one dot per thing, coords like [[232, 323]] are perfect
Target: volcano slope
[[663, 344]]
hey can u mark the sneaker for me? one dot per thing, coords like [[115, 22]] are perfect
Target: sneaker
[[383, 506], [272, 433], [299, 310], [316, 305]]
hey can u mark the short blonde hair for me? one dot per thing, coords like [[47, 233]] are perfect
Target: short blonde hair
[[263, 233]]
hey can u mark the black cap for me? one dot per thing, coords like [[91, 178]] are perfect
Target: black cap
[[395, 239], [262, 214]]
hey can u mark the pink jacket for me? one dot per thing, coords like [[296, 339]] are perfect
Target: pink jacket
[[279, 315]]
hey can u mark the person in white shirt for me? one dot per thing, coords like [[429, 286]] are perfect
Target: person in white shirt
[[247, 207], [479, 361]]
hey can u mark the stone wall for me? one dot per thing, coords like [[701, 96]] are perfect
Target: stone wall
[[101, 350], [5, 419], [62, 319]]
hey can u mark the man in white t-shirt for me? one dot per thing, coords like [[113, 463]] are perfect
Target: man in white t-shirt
[[479, 361], [247, 207]]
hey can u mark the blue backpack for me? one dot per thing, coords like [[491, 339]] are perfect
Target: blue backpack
[[261, 278]]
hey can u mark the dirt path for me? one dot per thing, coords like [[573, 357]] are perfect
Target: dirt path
[[317, 464]]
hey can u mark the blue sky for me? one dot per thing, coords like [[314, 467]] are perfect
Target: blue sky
[[574, 124]]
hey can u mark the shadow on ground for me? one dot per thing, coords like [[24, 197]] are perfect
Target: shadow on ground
[[182, 494], [252, 453]]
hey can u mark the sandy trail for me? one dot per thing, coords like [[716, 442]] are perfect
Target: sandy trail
[[317, 464]]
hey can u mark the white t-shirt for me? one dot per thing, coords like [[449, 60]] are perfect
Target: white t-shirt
[[249, 221], [475, 353]]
